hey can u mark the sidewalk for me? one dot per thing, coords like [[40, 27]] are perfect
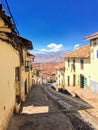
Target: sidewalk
[[83, 93], [88, 96], [77, 106]]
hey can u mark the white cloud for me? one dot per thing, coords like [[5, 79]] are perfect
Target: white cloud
[[52, 47], [76, 46], [44, 50]]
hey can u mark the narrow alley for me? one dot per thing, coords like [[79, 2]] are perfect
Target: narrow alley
[[49, 60], [40, 112], [47, 119]]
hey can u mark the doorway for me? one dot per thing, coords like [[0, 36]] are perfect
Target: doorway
[[81, 81], [25, 86], [74, 80]]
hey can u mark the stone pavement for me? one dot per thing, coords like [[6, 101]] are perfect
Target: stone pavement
[[86, 95], [40, 113], [83, 93], [74, 107]]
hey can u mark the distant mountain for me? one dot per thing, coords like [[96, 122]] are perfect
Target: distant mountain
[[49, 57]]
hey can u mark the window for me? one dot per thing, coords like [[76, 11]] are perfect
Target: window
[[27, 63], [68, 63], [37, 73], [17, 74], [90, 42], [73, 65], [93, 42], [97, 53], [82, 64], [73, 61]]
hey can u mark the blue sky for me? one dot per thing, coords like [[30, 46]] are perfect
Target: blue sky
[[55, 24]]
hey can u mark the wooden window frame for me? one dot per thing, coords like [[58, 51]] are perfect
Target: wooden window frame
[[82, 64], [17, 74]]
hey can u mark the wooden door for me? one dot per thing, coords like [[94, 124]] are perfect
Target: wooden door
[[74, 80], [81, 81]]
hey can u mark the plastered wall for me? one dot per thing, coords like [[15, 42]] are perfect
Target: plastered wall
[[9, 59]]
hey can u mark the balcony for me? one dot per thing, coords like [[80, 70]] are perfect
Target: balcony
[[28, 66], [27, 69]]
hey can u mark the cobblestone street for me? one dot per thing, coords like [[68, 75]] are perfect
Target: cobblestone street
[[35, 116], [77, 109], [53, 111]]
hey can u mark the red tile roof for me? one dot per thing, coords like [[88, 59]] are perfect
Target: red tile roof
[[60, 66], [46, 68], [82, 52], [36, 66]]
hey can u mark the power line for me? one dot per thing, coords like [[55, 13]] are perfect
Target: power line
[[3, 4], [11, 16]]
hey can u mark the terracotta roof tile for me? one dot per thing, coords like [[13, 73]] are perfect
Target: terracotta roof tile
[[45, 68], [82, 52], [60, 66]]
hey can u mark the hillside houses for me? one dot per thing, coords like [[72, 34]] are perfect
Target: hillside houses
[[60, 72], [77, 71], [81, 66], [16, 74], [43, 72]]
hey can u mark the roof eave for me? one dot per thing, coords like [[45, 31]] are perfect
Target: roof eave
[[91, 37], [27, 43], [77, 57]]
